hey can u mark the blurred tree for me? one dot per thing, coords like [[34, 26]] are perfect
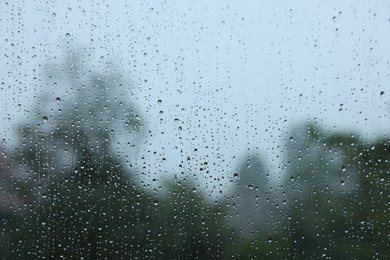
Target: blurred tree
[[74, 195], [368, 210], [12, 188], [83, 202], [314, 189], [188, 226], [331, 184]]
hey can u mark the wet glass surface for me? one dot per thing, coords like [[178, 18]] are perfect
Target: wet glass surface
[[194, 130]]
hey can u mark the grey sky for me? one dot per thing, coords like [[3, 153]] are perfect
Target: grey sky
[[236, 74]]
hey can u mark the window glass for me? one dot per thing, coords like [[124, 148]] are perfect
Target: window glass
[[194, 129]]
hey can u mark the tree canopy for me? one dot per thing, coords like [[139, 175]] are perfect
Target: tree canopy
[[74, 196]]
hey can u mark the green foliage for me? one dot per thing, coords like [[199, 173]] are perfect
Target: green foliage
[[79, 201], [337, 197], [188, 226], [82, 202]]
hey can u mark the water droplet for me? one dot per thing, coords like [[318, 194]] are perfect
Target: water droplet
[[45, 119]]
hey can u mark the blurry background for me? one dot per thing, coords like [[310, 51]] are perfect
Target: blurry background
[[195, 129]]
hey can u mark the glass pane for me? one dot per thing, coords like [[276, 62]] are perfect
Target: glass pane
[[188, 129]]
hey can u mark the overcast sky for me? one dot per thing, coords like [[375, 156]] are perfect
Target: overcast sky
[[237, 75]]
